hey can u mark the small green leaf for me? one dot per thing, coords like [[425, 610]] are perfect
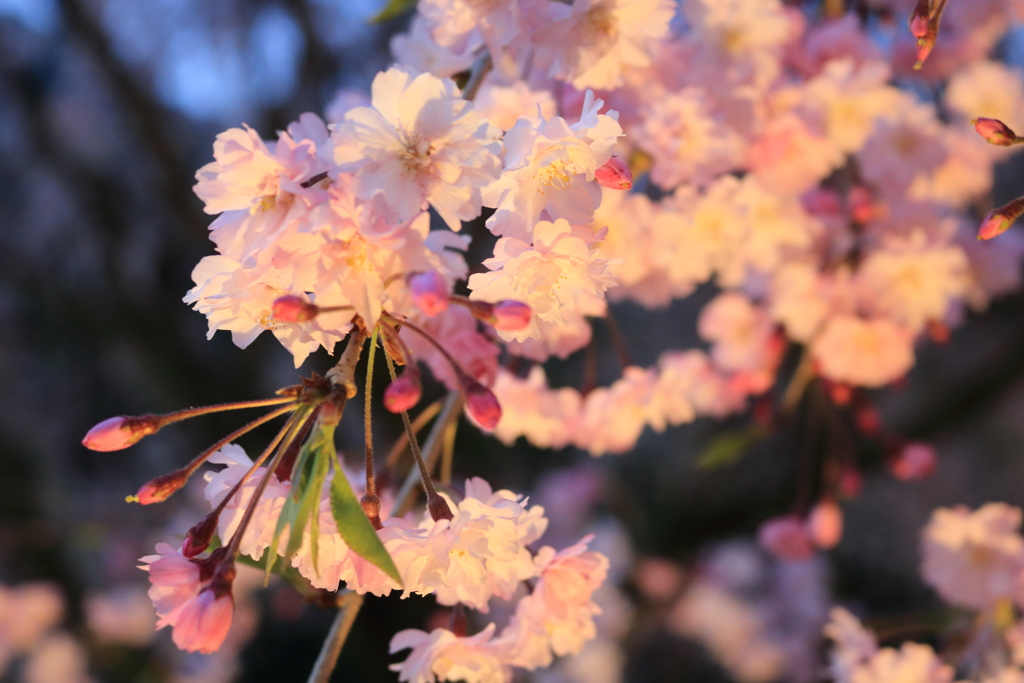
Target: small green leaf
[[728, 448], [394, 8], [355, 528]]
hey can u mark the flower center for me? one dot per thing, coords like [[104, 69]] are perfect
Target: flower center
[[599, 25], [414, 154]]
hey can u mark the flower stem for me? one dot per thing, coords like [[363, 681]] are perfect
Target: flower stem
[[425, 416], [350, 603], [407, 494], [459, 372], [290, 429], [448, 451], [221, 407], [371, 481], [202, 457], [482, 67], [414, 446]]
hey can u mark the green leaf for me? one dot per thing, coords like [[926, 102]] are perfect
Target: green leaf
[[728, 448], [306, 490], [355, 528], [394, 8]]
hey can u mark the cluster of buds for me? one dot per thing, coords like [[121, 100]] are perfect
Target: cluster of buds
[[924, 25]]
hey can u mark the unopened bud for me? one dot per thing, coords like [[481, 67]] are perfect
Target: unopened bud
[[999, 220], [851, 481], [429, 292], [404, 391], [482, 405], [786, 538], [371, 506], [117, 433], [825, 524], [868, 420], [615, 174], [511, 315], [438, 508], [861, 203], [458, 622], [924, 48], [160, 489], [294, 309], [996, 132], [841, 394], [939, 332], [199, 537], [918, 21], [916, 460]]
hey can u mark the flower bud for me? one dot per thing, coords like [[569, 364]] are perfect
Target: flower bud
[[995, 132], [160, 489], [117, 433], [458, 622], [918, 21], [429, 292], [482, 405], [786, 538], [510, 315], [924, 47], [371, 506], [438, 508], [918, 25], [294, 309], [615, 174], [868, 420], [851, 481], [999, 220], [199, 537], [916, 460], [825, 524], [404, 391]]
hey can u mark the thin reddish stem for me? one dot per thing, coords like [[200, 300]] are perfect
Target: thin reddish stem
[[202, 457], [221, 407]]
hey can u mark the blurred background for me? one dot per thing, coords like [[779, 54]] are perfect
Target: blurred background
[[107, 108]]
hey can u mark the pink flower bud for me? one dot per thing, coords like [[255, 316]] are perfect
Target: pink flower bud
[[429, 292], [438, 508], [482, 405], [615, 174], [786, 538], [404, 391], [371, 506], [999, 220], [160, 489], [117, 433], [825, 524], [204, 621], [199, 537], [294, 309], [995, 132], [851, 481], [924, 48], [868, 420], [918, 21], [918, 25], [511, 315], [916, 460]]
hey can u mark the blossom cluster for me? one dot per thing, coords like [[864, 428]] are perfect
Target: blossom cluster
[[616, 151], [975, 561], [480, 554]]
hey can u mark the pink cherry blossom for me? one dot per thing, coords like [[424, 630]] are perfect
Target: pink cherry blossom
[[419, 144]]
